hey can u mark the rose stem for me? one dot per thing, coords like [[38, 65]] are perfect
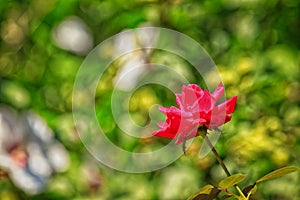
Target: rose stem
[[217, 156], [222, 163]]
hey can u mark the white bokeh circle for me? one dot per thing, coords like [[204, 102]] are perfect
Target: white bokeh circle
[[100, 59]]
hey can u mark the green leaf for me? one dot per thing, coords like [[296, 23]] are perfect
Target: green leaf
[[204, 190], [211, 196], [231, 180], [278, 173], [208, 192]]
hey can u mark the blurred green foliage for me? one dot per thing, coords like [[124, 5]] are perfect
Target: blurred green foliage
[[255, 44]]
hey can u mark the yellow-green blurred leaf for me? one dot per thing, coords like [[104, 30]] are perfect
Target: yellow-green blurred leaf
[[206, 196], [205, 190], [232, 180], [206, 193], [279, 172]]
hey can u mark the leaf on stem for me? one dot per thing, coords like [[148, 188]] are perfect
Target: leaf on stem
[[232, 180], [250, 190], [279, 172], [208, 192]]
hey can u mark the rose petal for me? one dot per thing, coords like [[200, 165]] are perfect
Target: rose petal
[[191, 134], [196, 88], [162, 125], [163, 133], [196, 107], [228, 106], [217, 121], [170, 111], [189, 97], [205, 103], [179, 101], [231, 104], [219, 91]]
